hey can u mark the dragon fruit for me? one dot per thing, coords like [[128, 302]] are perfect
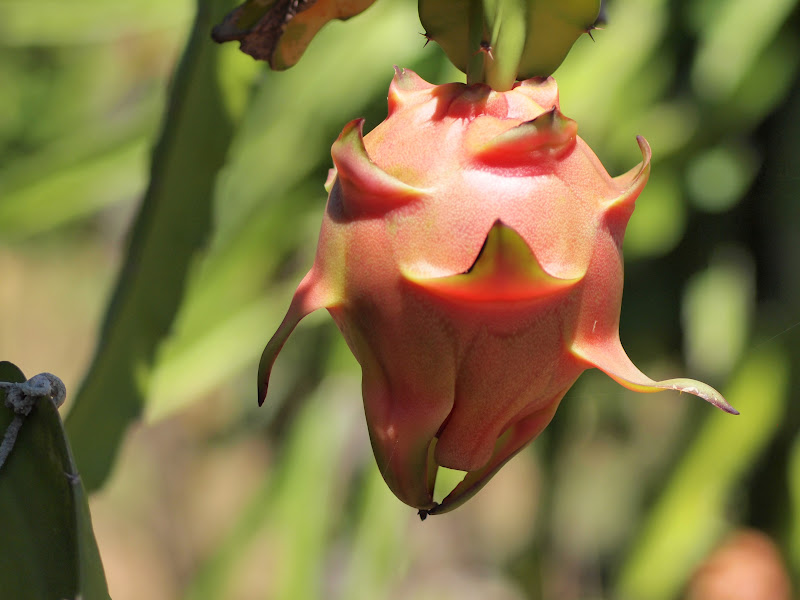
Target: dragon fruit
[[470, 254]]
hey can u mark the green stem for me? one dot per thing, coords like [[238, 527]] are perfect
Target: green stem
[[174, 223], [507, 24], [476, 71]]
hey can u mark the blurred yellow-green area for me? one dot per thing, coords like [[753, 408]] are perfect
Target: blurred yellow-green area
[[150, 282]]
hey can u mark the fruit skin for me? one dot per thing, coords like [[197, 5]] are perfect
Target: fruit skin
[[470, 254]]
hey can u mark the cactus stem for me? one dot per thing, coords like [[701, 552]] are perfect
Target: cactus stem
[[476, 69]]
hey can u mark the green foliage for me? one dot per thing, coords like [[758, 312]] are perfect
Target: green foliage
[[174, 222], [693, 510], [48, 548]]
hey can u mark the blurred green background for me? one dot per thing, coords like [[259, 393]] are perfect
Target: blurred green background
[[151, 290]]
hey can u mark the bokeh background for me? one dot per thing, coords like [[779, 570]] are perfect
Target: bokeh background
[[151, 282]]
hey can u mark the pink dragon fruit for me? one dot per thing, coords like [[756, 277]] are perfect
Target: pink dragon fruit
[[471, 256]]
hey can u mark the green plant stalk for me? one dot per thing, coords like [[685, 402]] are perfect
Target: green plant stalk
[[497, 33], [507, 22], [476, 68], [173, 224]]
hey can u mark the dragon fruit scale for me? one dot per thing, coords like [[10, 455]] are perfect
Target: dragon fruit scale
[[470, 254]]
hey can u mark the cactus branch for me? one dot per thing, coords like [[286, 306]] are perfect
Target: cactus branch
[[21, 398], [476, 69]]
